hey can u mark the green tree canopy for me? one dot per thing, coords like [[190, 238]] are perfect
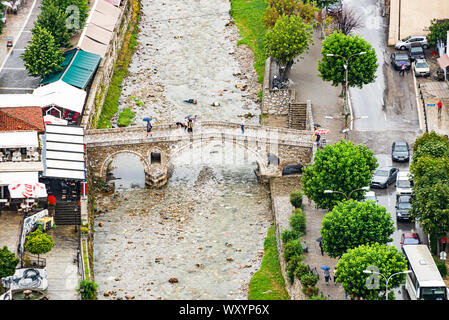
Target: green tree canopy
[[342, 167], [53, 19], [385, 259], [42, 56], [76, 12], [429, 136], [352, 223], [438, 31], [8, 263], [361, 68], [38, 242], [427, 170], [431, 206], [289, 38], [277, 8]]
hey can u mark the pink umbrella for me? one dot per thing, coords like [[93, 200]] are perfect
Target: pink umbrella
[[322, 131]]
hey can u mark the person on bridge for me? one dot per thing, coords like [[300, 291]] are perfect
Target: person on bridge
[[190, 125], [242, 125], [149, 127], [440, 106]]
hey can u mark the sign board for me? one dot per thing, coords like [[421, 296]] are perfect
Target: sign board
[[431, 104]]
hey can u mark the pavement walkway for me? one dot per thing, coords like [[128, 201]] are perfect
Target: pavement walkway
[[327, 108]]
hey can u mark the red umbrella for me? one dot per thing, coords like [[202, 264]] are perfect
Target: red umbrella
[[322, 131]]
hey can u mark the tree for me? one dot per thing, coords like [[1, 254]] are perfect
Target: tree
[[431, 206], [431, 144], [438, 31], [38, 243], [289, 38], [427, 171], [8, 263], [277, 8], [429, 136], [342, 167], [42, 56], [352, 223], [347, 20], [361, 67], [385, 259], [76, 12], [53, 19]]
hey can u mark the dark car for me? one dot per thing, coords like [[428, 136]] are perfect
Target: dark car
[[410, 238], [399, 59], [403, 206], [416, 52], [384, 176], [334, 8], [400, 151]]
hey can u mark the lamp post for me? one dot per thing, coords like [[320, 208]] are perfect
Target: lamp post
[[386, 279], [348, 196], [346, 66]]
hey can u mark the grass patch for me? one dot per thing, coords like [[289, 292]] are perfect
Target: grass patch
[[269, 277], [125, 117], [110, 105], [248, 15], [86, 262]]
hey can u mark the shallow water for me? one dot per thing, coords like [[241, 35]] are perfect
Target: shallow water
[[206, 228], [185, 52]]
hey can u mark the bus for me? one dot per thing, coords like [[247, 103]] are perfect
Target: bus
[[424, 282]]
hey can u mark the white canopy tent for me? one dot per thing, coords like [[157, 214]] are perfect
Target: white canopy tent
[[7, 178], [57, 93], [18, 139]]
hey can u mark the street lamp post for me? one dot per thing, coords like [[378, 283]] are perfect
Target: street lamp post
[[386, 279], [348, 196], [346, 66]]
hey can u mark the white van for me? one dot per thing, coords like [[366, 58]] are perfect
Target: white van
[[403, 184]]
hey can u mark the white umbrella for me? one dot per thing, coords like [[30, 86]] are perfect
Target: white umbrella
[[27, 190]]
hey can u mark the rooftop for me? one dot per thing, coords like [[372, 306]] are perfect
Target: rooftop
[[21, 119]]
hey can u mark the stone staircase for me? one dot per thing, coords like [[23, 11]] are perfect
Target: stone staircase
[[297, 115], [67, 213]]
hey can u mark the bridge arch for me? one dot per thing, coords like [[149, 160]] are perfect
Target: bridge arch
[[111, 157]]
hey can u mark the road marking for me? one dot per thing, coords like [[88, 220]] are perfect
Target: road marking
[[20, 33]]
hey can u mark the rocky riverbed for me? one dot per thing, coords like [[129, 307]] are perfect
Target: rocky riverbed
[[188, 50], [200, 237]]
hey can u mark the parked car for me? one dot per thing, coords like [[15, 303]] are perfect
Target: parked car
[[416, 52], [334, 8], [406, 42], [403, 206], [399, 59], [370, 196], [400, 151], [383, 177], [403, 184], [422, 68], [9, 42], [410, 238]]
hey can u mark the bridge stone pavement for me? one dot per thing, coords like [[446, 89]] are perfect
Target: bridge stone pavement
[[288, 146]]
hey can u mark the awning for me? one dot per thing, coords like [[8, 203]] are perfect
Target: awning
[[57, 93], [93, 46], [443, 61], [49, 119], [27, 190], [64, 152], [18, 139], [7, 178]]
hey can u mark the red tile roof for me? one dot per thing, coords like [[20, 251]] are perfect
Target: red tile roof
[[22, 119]]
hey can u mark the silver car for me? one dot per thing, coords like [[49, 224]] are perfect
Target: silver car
[[406, 42], [422, 68]]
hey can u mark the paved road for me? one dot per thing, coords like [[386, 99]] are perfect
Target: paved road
[[13, 75]]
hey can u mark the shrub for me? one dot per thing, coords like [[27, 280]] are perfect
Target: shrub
[[301, 269], [310, 291], [89, 289], [308, 279], [296, 198], [441, 265], [298, 221], [288, 235], [292, 265], [320, 297], [291, 249]]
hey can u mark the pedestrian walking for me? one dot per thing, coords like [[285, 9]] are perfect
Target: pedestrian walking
[[242, 125], [402, 70], [190, 125], [327, 276], [318, 137], [321, 248], [335, 276], [149, 127], [439, 106]]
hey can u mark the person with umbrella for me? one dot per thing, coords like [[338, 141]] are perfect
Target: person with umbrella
[[327, 275], [149, 126], [321, 246]]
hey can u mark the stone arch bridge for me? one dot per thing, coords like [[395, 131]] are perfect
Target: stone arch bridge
[[273, 148]]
